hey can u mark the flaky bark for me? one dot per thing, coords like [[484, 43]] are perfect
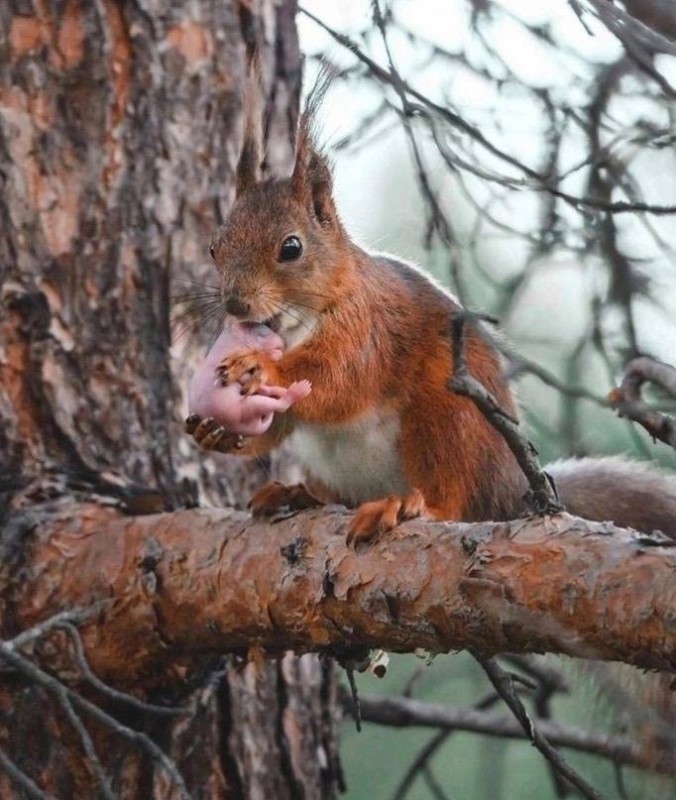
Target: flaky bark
[[185, 584], [119, 133]]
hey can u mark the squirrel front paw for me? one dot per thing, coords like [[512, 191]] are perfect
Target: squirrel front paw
[[245, 367], [211, 436]]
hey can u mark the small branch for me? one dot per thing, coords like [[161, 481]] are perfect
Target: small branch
[[625, 26], [75, 617], [21, 779], [543, 498], [531, 178], [432, 784], [69, 699], [549, 679], [66, 621], [400, 712], [108, 691], [113, 694], [432, 746], [518, 365], [549, 682], [504, 686], [91, 756], [627, 400], [419, 762]]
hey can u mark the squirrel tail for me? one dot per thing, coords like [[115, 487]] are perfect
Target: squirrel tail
[[630, 493]]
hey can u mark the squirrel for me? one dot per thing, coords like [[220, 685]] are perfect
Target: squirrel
[[379, 431]]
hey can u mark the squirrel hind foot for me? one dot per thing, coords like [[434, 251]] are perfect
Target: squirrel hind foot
[[373, 519], [275, 499]]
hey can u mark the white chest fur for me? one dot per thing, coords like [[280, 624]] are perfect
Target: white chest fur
[[359, 460]]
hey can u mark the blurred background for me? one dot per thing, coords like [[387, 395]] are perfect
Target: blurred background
[[523, 154]]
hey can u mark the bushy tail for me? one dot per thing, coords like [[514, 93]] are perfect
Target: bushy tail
[[630, 493]]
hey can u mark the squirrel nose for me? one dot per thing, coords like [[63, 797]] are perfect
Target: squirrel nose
[[236, 307]]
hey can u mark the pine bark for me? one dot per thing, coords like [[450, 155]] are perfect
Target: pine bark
[[202, 581], [119, 132]]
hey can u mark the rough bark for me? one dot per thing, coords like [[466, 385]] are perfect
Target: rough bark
[[119, 133], [200, 581]]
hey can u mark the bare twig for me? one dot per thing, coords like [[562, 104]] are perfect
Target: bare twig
[[424, 755], [108, 691], [432, 746], [531, 178], [66, 621], [627, 400], [543, 497], [75, 616], [356, 705], [549, 682], [73, 699], [399, 712], [93, 761], [504, 686], [519, 364], [21, 779], [432, 784]]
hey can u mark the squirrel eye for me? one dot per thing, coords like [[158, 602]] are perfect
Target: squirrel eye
[[212, 251], [291, 249]]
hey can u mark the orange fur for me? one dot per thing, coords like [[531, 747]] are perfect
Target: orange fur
[[274, 495], [379, 341], [372, 335]]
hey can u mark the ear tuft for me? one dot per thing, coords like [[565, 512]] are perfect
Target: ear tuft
[[312, 182], [249, 165]]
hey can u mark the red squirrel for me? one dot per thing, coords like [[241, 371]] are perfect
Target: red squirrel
[[380, 431]]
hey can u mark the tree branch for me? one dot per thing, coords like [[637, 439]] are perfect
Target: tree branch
[[627, 401], [542, 496], [191, 584], [402, 712], [504, 686]]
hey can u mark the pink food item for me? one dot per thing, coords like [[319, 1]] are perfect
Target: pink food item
[[248, 415]]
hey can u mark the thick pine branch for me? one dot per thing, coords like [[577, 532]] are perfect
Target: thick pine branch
[[203, 581]]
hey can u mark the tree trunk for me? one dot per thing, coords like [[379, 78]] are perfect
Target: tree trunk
[[119, 132]]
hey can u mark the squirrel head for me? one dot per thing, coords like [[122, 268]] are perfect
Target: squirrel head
[[283, 255]]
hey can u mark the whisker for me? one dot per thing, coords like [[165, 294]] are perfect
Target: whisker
[[196, 315], [194, 333], [200, 283], [195, 309], [188, 298], [286, 310], [191, 322], [198, 299]]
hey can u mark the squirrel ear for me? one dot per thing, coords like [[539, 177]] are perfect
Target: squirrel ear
[[248, 172], [312, 182]]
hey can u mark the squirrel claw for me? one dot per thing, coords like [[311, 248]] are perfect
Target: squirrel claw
[[244, 368], [209, 435], [277, 500], [375, 518]]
